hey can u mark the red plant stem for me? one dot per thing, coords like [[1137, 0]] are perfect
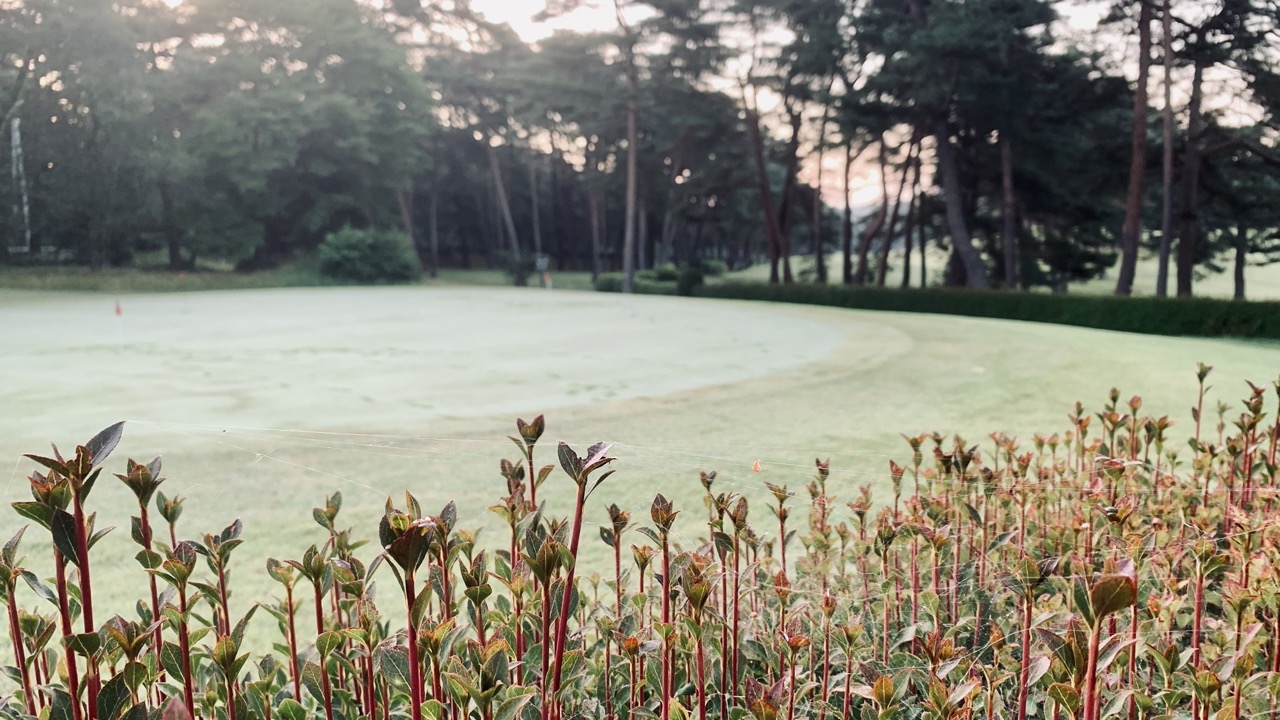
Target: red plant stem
[[562, 626], [737, 606], [324, 672], [519, 619], [145, 521], [1091, 699], [293, 643], [446, 596], [86, 607], [608, 670], [1024, 675], [826, 665], [546, 647], [1133, 660], [702, 677], [667, 670], [15, 632], [231, 698], [533, 479], [184, 649], [415, 664], [782, 539], [791, 690], [725, 662], [631, 691], [848, 684], [64, 611], [222, 597], [370, 693]]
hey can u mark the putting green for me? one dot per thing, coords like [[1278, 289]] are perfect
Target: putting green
[[262, 402]]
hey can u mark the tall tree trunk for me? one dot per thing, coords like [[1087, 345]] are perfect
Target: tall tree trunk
[[771, 227], [633, 139], [1132, 229], [871, 232], [913, 212], [596, 219], [789, 197], [923, 245], [846, 226], [504, 206], [533, 207], [666, 249], [975, 272], [819, 258], [1189, 228], [404, 202], [1242, 251], [1009, 211], [882, 270], [1166, 178], [169, 223], [642, 237], [433, 231]]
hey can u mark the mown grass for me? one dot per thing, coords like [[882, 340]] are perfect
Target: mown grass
[[303, 273], [1261, 282], [284, 397]]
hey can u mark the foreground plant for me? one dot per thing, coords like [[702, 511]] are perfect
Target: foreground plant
[[1087, 575]]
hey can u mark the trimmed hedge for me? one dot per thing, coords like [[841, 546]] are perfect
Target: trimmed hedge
[[1153, 316], [1203, 317], [612, 282]]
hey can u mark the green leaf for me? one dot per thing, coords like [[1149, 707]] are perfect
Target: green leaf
[[9, 554], [60, 706], [84, 644], [173, 661], [101, 445], [1112, 593], [1066, 696], [510, 707], [40, 588], [63, 528], [327, 643], [113, 697], [39, 512], [311, 680], [290, 709]]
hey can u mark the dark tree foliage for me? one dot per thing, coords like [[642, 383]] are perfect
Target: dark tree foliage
[[229, 132]]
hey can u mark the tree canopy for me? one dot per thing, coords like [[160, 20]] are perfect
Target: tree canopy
[[242, 132]]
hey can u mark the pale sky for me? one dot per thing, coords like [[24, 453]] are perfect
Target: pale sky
[[519, 14]]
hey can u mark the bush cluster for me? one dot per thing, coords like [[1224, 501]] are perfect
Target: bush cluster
[[612, 282], [369, 257], [1203, 317]]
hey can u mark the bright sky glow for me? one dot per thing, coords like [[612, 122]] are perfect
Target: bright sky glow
[[519, 14]]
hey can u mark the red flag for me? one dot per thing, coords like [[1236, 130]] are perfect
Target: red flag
[[119, 310]]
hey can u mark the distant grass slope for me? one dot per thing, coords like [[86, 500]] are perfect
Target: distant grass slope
[[1261, 282], [300, 274], [264, 402]]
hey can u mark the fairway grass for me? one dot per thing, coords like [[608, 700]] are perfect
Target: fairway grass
[[262, 402]]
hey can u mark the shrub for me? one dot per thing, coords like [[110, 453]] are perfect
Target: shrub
[[662, 273], [369, 257], [1155, 316], [714, 268], [1199, 317], [612, 282], [690, 280]]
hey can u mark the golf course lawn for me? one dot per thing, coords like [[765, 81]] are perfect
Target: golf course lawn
[[264, 401]]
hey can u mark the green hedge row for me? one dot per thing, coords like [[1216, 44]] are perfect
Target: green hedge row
[[612, 282], [1203, 317]]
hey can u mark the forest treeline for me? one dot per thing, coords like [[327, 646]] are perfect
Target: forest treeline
[[245, 131]]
